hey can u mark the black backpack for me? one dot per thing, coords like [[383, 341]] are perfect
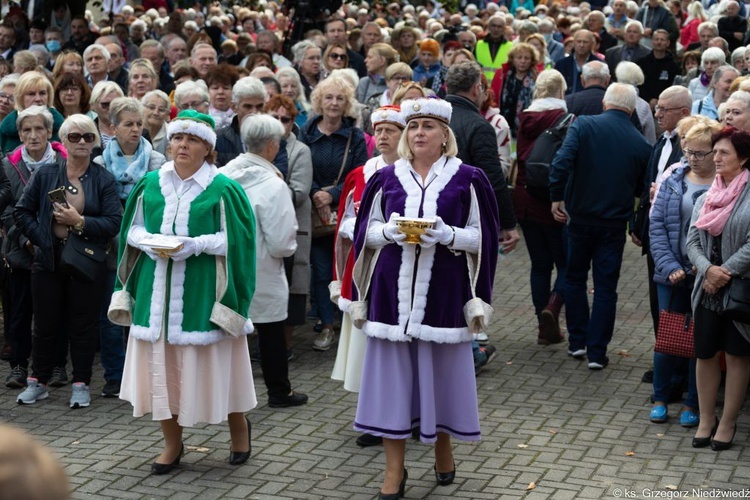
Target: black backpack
[[539, 161]]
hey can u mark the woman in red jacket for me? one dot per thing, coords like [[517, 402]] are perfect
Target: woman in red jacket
[[543, 235]]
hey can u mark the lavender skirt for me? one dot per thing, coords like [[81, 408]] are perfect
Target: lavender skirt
[[425, 384]]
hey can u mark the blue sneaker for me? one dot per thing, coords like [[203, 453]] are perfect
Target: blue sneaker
[[658, 414], [688, 418]]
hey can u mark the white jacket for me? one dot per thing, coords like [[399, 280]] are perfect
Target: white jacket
[[275, 230]]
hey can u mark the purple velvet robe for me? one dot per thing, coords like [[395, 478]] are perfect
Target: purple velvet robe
[[418, 292]]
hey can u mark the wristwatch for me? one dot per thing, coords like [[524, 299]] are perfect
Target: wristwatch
[[78, 227]]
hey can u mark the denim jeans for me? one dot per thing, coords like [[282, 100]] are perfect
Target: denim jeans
[[600, 249], [671, 370], [321, 259], [111, 337], [546, 249]]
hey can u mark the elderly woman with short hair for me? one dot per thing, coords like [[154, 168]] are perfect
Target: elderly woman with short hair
[[63, 300], [157, 106], [276, 233], [712, 58], [192, 95], [129, 156], [142, 78], [630, 73], [72, 95], [101, 99], [337, 146], [396, 75], [299, 179], [33, 88], [7, 94], [719, 92], [35, 126], [291, 86], [307, 57]]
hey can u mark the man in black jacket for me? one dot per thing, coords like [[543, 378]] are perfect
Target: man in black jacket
[[732, 27], [477, 143], [659, 68], [595, 78]]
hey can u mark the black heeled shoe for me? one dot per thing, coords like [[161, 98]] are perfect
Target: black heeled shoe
[[445, 478], [723, 445], [401, 489], [240, 457], [706, 441], [158, 469]]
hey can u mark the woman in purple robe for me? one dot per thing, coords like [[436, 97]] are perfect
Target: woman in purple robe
[[419, 304]]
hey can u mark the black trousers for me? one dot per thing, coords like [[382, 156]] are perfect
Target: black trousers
[[273, 360], [653, 295], [19, 313], [62, 304]]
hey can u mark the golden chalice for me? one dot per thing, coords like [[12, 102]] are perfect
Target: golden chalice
[[413, 227]]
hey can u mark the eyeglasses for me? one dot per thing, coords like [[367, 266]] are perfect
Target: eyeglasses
[[401, 78], [659, 109], [340, 57], [152, 107], [7, 97], [286, 120], [698, 155], [70, 89], [190, 105], [75, 137], [105, 105]]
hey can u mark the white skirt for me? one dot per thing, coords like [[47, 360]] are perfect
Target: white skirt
[[350, 355], [196, 383]]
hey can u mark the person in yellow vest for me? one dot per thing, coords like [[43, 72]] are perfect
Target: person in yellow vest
[[492, 52]]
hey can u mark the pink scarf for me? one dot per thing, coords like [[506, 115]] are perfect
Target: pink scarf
[[720, 201]]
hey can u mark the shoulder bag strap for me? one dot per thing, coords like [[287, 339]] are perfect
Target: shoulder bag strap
[[346, 155]]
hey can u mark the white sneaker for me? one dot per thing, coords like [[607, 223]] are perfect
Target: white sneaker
[[33, 392], [81, 397], [324, 340], [577, 354]]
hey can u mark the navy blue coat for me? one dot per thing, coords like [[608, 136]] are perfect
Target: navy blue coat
[[599, 169], [666, 228], [567, 66]]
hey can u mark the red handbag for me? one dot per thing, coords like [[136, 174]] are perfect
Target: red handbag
[[675, 336]]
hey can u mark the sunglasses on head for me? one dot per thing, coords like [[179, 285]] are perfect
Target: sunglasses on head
[[76, 137]]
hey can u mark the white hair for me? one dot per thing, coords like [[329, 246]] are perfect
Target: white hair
[[258, 130], [105, 88], [191, 88], [158, 94], [96, 46], [300, 49], [713, 54], [289, 72], [636, 24], [138, 22], [82, 123], [595, 70], [621, 95], [246, 87], [630, 73], [34, 111]]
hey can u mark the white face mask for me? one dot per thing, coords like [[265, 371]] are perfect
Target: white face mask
[[547, 37], [542, 15]]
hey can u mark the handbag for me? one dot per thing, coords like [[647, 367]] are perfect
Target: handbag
[[675, 334], [737, 307], [321, 228], [82, 259]]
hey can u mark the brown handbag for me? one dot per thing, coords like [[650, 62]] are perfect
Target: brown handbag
[[321, 228]]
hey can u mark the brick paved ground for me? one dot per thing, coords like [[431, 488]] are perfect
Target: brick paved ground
[[576, 427]]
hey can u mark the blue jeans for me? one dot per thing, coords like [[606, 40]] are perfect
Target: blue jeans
[[321, 259], [598, 248], [111, 338], [546, 249], [671, 370]]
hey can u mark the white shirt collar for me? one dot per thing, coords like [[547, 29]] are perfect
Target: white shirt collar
[[202, 177]]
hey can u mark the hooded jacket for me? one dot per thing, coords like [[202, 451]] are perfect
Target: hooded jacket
[[275, 236]]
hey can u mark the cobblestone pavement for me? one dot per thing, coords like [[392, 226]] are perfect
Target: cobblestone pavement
[[546, 419]]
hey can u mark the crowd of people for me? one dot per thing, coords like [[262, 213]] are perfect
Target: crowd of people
[[176, 179]]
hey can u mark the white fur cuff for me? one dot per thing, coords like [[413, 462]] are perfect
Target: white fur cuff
[[120, 310], [478, 315], [334, 288], [358, 313]]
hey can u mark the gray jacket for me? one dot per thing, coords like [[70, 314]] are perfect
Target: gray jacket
[[299, 179], [735, 248]]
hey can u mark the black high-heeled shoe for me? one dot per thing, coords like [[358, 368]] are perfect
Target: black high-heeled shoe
[[158, 469], [723, 445], [240, 457], [401, 489], [706, 441], [445, 478]]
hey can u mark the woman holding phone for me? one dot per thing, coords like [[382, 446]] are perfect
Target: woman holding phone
[[58, 201]]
